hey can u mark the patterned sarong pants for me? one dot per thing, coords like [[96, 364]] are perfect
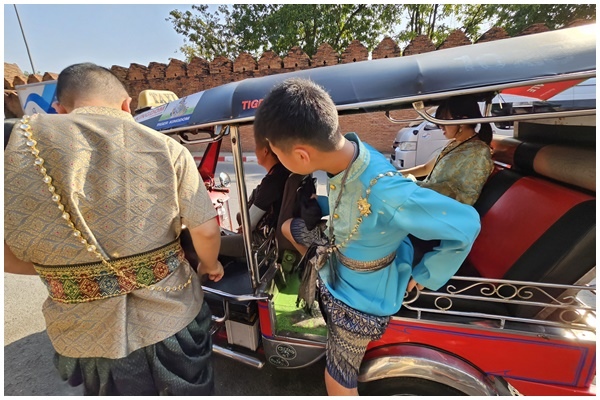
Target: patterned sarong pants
[[349, 331]]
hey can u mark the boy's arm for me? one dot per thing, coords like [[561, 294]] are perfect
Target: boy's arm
[[15, 266], [207, 242], [431, 216]]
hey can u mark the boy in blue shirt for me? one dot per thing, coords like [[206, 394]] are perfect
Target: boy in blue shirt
[[368, 256]]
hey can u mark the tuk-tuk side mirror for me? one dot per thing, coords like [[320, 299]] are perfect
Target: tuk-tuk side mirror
[[224, 179]]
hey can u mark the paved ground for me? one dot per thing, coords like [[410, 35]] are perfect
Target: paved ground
[[28, 371]]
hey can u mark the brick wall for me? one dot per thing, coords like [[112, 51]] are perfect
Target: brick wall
[[199, 74]]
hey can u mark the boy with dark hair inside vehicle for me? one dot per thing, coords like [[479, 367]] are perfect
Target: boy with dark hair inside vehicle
[[264, 202], [365, 264]]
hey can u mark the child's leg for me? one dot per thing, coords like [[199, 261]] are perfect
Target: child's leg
[[287, 233], [349, 331], [335, 389]]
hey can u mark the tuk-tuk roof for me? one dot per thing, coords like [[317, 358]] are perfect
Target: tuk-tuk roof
[[393, 82]]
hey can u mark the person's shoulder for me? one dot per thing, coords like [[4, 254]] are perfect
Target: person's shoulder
[[480, 147], [478, 144], [154, 133], [282, 169], [388, 187]]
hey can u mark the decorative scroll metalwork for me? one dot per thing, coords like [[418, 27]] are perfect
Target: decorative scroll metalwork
[[553, 305]]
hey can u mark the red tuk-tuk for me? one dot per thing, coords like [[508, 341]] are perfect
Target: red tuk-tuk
[[519, 316]]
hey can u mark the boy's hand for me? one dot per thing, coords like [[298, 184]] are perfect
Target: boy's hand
[[411, 284], [214, 274]]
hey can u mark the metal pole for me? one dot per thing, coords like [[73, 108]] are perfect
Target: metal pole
[[236, 148], [25, 40]]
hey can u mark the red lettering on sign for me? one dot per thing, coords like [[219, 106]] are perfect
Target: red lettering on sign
[[248, 104]]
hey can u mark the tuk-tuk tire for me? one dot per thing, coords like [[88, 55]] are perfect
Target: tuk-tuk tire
[[406, 386]]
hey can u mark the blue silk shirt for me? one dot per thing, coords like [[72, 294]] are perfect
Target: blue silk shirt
[[398, 207]]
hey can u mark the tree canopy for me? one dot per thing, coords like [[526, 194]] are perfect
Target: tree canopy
[[255, 28], [514, 18]]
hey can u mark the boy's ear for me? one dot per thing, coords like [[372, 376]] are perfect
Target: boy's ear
[[302, 154], [125, 105], [60, 109]]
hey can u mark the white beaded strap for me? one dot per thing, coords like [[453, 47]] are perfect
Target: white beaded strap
[[25, 130]]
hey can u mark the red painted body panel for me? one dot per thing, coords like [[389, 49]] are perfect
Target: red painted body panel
[[540, 389], [537, 365], [542, 362]]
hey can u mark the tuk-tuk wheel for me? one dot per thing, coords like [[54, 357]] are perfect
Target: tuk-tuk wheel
[[407, 386]]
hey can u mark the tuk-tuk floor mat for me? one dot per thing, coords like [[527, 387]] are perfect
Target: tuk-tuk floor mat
[[295, 319]]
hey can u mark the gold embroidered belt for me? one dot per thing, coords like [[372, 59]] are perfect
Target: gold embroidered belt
[[365, 266], [81, 283]]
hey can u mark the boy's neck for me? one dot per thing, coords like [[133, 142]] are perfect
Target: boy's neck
[[269, 163], [340, 159]]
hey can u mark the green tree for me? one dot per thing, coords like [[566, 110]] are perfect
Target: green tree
[[514, 18], [437, 21], [258, 27], [207, 34], [255, 28], [425, 19]]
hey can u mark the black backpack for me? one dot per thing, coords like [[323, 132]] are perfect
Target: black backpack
[[305, 206]]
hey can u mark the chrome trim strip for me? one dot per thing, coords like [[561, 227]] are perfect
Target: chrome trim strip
[[234, 297], [430, 365], [244, 359]]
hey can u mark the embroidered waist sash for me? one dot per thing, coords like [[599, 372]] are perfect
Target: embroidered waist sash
[[365, 266], [81, 283]]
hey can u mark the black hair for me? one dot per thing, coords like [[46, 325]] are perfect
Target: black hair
[[261, 142], [465, 106], [298, 111], [88, 79]]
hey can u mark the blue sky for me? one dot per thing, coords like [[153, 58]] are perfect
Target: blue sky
[[106, 34]]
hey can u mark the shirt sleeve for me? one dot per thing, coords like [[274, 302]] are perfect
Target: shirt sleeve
[[195, 204], [464, 177], [429, 215], [268, 192]]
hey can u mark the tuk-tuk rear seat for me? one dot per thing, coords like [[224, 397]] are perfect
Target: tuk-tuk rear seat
[[535, 228]]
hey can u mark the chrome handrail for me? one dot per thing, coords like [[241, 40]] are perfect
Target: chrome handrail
[[522, 293], [419, 107], [238, 163], [221, 132], [400, 121]]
